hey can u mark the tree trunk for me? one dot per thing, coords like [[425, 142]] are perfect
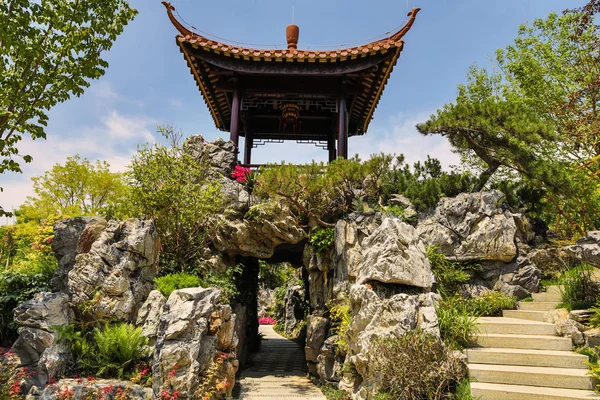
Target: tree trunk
[[485, 177]]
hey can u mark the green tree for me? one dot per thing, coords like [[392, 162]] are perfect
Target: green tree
[[316, 191], [176, 190], [76, 188], [536, 117], [49, 50]]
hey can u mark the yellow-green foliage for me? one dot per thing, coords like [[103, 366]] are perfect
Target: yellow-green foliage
[[457, 327], [490, 304], [340, 317], [314, 190], [169, 283]]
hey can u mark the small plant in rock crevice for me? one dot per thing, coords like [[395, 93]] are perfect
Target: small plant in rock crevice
[[181, 280], [322, 239], [340, 318]]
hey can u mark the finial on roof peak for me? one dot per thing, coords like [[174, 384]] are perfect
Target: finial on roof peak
[[292, 32]]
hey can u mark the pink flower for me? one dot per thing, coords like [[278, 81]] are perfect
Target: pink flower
[[240, 173]]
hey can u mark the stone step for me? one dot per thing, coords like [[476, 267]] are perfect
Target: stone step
[[495, 391], [524, 357], [563, 378], [532, 342], [537, 305], [556, 289], [514, 326], [545, 296], [522, 314]]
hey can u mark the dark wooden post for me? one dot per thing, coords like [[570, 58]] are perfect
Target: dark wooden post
[[248, 147], [331, 145], [342, 145], [234, 130]]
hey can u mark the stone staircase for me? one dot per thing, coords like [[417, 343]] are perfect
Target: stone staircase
[[520, 358]]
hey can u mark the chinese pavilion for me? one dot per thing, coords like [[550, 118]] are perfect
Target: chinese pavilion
[[319, 97]]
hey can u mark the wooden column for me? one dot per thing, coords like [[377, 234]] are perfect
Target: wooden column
[[236, 104], [248, 147], [331, 145], [342, 145]]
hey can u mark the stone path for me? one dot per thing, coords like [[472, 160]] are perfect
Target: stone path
[[278, 371], [520, 357]]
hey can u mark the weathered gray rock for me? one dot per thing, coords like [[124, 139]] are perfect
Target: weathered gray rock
[[592, 338], [85, 389], [64, 245], [115, 277], [512, 290], [376, 317], [294, 308], [566, 327], [259, 236], [194, 329], [266, 301], [393, 253], [329, 366], [586, 249], [149, 315], [581, 316], [316, 332], [38, 345], [221, 155], [472, 227], [473, 289], [235, 197], [410, 213]]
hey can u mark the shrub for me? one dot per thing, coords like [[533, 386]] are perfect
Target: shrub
[[449, 275], [15, 288], [322, 239], [113, 351], [457, 326], [415, 366], [580, 290], [226, 281], [490, 304], [333, 393], [595, 318], [339, 314], [266, 321], [169, 283]]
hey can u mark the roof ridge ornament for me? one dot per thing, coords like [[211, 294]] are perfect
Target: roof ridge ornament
[[404, 30], [182, 29], [292, 33]]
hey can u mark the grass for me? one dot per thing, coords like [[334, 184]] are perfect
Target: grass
[[333, 393]]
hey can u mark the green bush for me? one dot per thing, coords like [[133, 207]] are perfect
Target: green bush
[[110, 352], [333, 393], [322, 239], [15, 288], [273, 276], [340, 318], [415, 366], [580, 290], [457, 326], [169, 283], [490, 304], [226, 281], [595, 318], [449, 275]]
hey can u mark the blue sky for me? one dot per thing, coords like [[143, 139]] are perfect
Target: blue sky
[[148, 82]]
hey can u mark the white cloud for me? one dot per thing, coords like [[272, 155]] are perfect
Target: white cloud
[[114, 140]]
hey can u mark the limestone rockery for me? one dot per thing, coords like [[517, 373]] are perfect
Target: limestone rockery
[[378, 264]]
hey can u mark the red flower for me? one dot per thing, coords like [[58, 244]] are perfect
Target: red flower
[[240, 173]]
